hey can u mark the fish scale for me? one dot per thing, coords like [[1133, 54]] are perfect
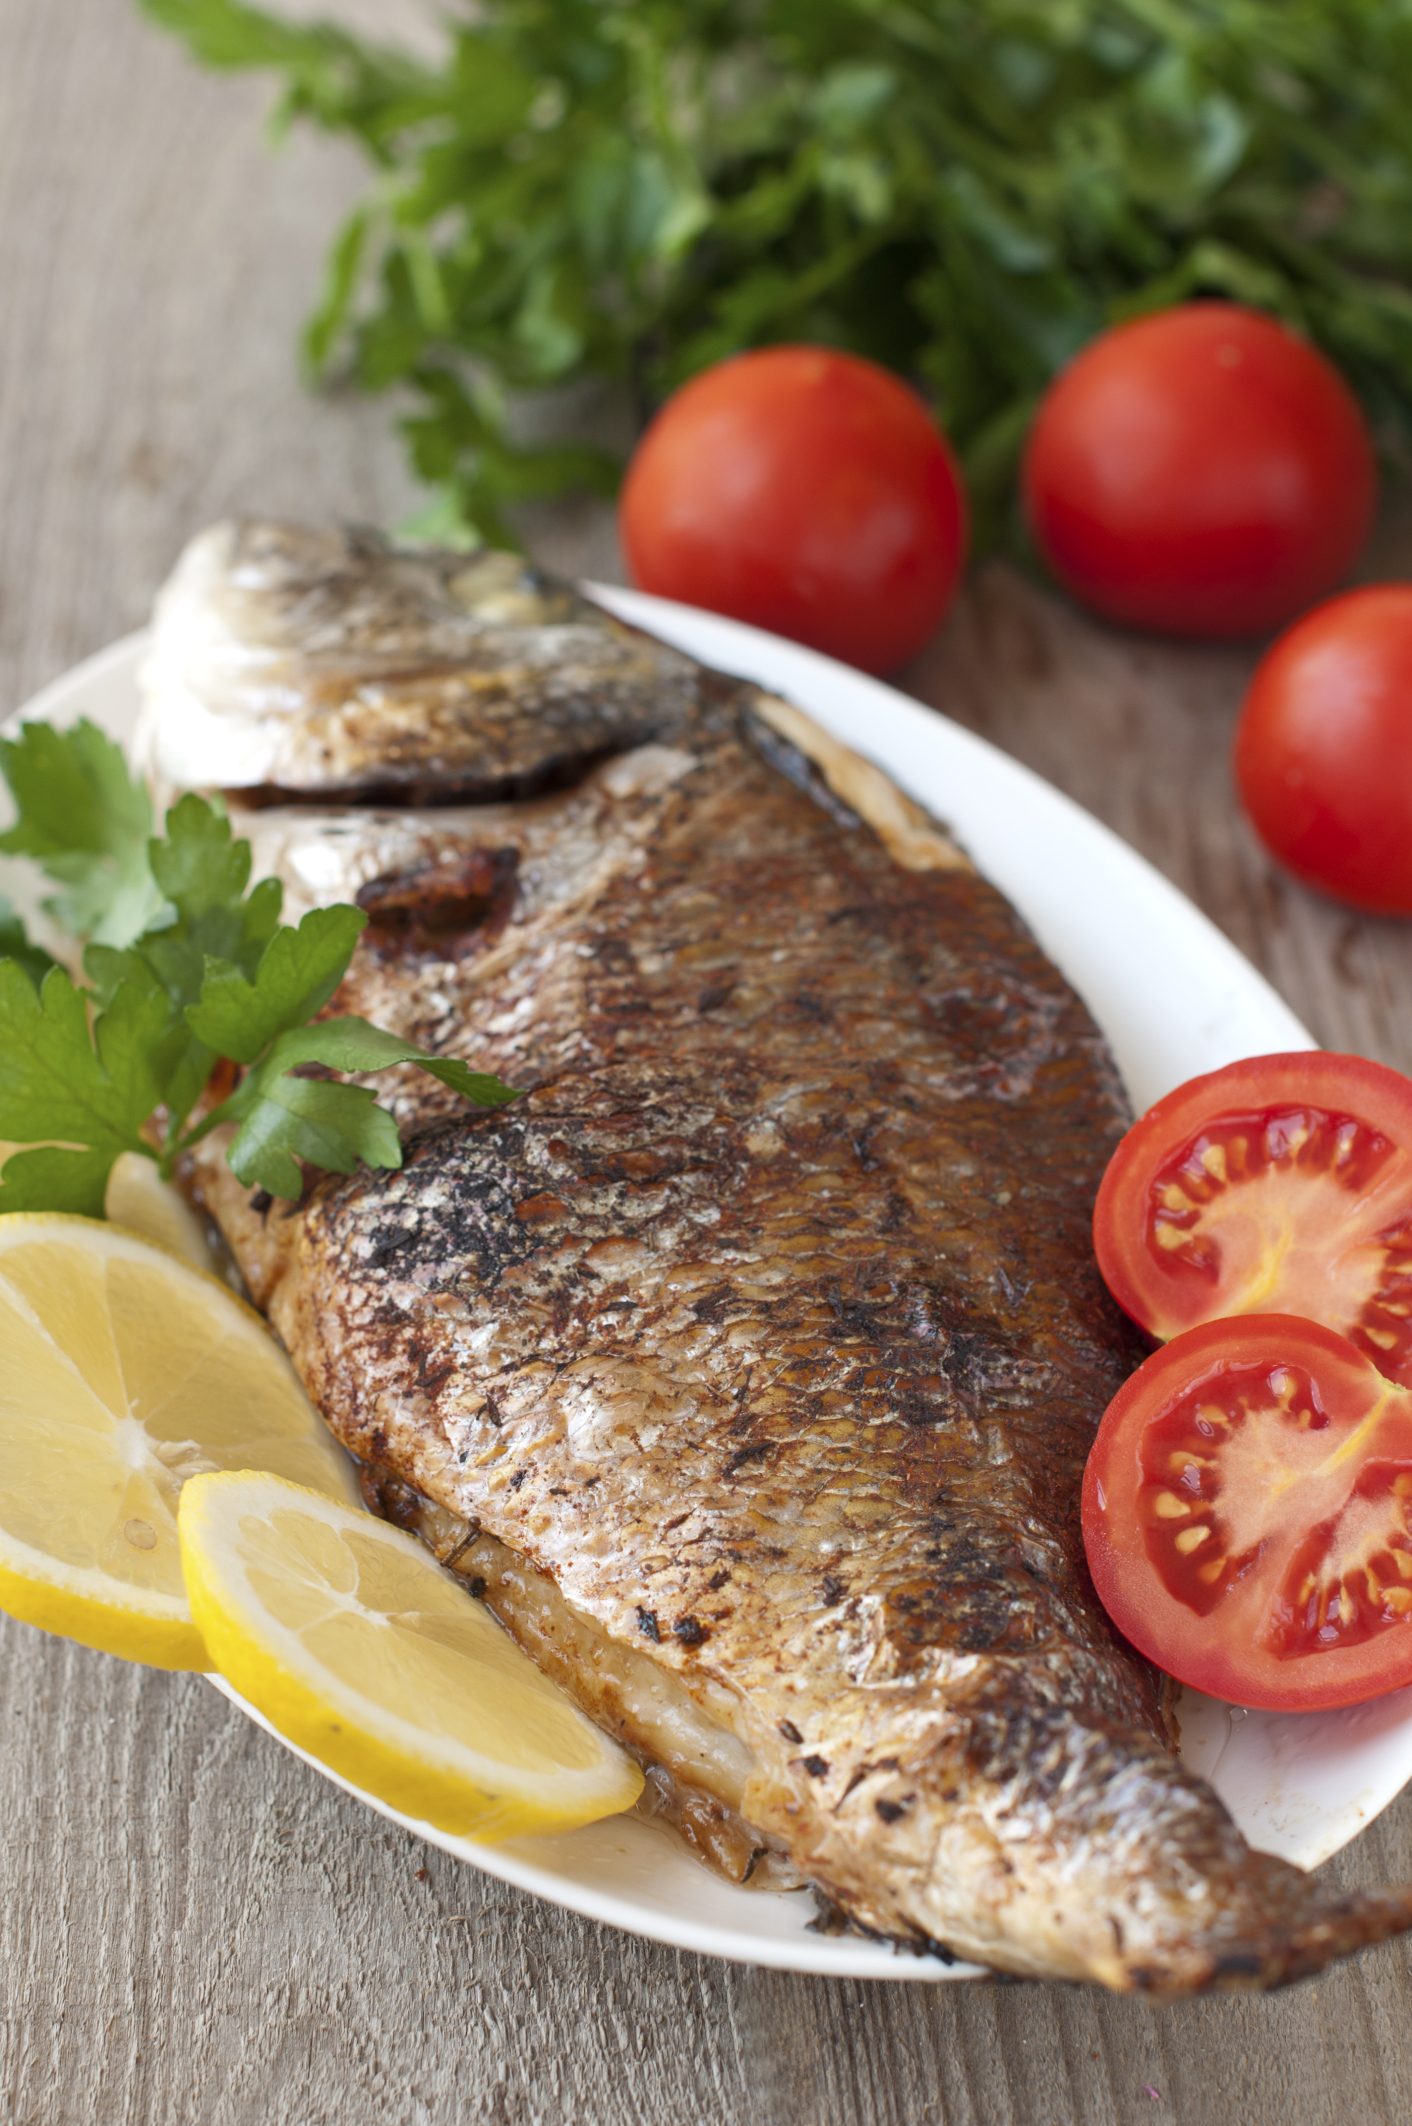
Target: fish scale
[[765, 1329]]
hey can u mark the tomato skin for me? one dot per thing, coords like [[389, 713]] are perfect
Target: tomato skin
[[1323, 752], [805, 491], [1336, 1204], [1296, 1521], [1200, 472]]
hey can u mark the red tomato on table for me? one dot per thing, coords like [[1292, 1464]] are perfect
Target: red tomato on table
[[1245, 1513], [1281, 1184], [1200, 472], [807, 492], [1323, 754]]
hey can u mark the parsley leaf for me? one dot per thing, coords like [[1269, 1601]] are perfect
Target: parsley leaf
[[355, 1045], [202, 872], [15, 945], [285, 1119], [297, 974], [52, 1178], [88, 1094], [86, 822], [329, 1124]]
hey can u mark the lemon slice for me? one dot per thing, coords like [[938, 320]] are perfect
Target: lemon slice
[[122, 1372], [137, 1197], [358, 1648]]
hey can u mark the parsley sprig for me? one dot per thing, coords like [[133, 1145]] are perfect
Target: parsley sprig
[[187, 964], [967, 190]]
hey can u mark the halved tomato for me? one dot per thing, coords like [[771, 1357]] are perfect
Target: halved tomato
[[1246, 1515], [1281, 1184]]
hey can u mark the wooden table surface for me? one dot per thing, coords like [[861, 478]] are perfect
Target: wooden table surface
[[193, 1926]]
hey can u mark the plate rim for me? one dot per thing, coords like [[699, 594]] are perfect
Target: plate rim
[[814, 1957]]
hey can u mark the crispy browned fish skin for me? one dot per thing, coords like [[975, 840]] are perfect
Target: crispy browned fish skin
[[768, 1325], [696, 1769]]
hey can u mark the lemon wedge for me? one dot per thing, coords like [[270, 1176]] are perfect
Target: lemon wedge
[[123, 1371], [356, 1646]]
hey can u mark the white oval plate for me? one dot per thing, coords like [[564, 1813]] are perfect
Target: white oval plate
[[1174, 998]]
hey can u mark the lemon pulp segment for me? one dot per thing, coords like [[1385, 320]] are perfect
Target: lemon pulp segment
[[355, 1645], [138, 1198], [122, 1373]]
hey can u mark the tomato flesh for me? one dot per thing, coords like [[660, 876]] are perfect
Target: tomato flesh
[[1246, 1515], [1280, 1184]]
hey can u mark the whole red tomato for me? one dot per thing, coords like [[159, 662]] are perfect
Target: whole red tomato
[[804, 491], [1323, 753], [1201, 472]]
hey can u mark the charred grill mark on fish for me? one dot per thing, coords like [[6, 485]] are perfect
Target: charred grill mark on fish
[[779, 1317], [441, 911]]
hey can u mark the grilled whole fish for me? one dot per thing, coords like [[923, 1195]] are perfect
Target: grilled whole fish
[[749, 1363]]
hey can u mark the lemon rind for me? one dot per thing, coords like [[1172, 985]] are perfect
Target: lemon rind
[[159, 1638]]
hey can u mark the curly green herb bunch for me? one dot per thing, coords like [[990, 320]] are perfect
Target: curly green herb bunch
[[966, 190]]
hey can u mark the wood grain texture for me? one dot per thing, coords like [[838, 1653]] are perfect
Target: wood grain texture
[[193, 1926]]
